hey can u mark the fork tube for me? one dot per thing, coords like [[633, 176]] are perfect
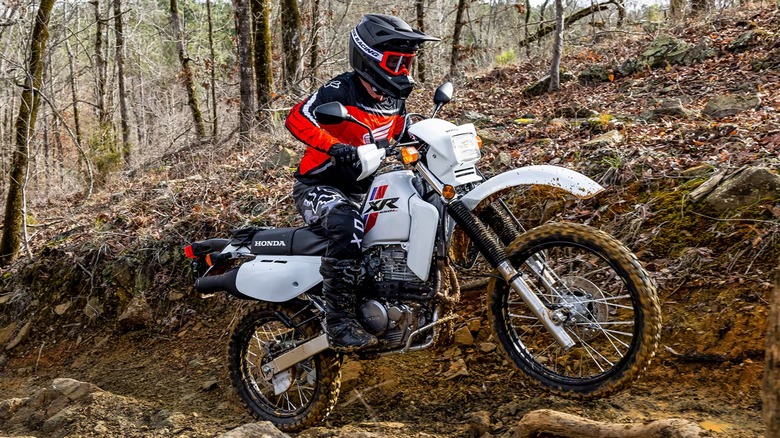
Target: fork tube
[[496, 256]]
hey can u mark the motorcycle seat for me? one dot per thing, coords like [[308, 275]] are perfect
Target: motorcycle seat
[[283, 241]]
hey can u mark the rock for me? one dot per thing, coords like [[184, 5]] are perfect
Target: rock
[[666, 50], [594, 75], [541, 86], [263, 429], [745, 41], [479, 423], [210, 385], [730, 104], [93, 309], [21, 336], [502, 161], [457, 368], [6, 332], [473, 117], [607, 139], [285, 157], [137, 315], [746, 186], [73, 389], [487, 347], [474, 325], [175, 296], [62, 308], [667, 107], [463, 336], [8, 407]]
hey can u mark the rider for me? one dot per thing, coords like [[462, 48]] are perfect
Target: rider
[[326, 191]]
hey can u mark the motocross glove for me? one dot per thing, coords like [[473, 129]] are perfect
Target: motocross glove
[[344, 154]]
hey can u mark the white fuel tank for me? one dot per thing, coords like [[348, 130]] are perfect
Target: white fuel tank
[[394, 213]]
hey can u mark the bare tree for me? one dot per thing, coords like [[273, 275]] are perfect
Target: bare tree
[[555, 67], [421, 67], [264, 78], [212, 71], [25, 126], [186, 70], [314, 46], [456, 47], [120, 66], [100, 67], [244, 46], [291, 42]]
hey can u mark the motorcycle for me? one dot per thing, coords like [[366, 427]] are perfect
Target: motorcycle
[[571, 307]]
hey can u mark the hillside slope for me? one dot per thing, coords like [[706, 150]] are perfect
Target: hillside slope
[[59, 309]]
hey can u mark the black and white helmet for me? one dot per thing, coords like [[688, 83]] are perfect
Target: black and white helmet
[[381, 50]]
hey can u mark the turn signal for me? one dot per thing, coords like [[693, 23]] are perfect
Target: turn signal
[[479, 142], [410, 155], [448, 192], [189, 253]]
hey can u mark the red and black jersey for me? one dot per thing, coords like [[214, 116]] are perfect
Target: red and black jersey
[[384, 117]]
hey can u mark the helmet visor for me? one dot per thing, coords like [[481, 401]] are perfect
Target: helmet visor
[[397, 63]]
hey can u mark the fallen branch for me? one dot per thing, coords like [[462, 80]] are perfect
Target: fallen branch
[[559, 424], [582, 13]]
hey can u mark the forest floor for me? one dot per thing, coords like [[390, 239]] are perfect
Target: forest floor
[[714, 273]]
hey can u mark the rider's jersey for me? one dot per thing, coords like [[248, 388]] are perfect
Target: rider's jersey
[[384, 117]]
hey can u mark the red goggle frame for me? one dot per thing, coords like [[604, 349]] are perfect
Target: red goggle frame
[[397, 63]]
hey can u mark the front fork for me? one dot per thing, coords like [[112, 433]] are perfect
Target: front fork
[[496, 256]]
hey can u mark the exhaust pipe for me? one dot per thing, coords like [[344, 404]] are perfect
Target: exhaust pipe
[[220, 283]]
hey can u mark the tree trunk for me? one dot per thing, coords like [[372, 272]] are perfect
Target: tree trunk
[[186, 71], [555, 67], [25, 125], [421, 67], [212, 72], [677, 9], [771, 391], [314, 60], [525, 26], [120, 66], [455, 59], [701, 7], [291, 42], [244, 47], [264, 79], [73, 92], [100, 68]]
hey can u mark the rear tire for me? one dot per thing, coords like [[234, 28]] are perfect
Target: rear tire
[[612, 311], [312, 386]]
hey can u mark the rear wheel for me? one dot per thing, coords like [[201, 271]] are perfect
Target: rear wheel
[[297, 398], [607, 303]]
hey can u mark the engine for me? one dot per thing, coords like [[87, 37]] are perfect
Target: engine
[[396, 303]]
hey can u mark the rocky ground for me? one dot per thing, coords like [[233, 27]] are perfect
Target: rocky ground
[[71, 367]]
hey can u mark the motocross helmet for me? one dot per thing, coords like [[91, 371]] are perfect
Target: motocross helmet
[[381, 50]]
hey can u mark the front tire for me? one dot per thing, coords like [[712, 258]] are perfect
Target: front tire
[[610, 303], [309, 389]]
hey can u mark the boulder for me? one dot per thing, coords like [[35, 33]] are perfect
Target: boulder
[[594, 75], [607, 139], [730, 104], [284, 157], [263, 429], [666, 50], [747, 186], [667, 108], [137, 315], [502, 161]]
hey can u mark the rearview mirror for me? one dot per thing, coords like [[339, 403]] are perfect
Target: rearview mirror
[[331, 113], [443, 94]]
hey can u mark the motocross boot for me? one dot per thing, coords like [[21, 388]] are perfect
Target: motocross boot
[[340, 280]]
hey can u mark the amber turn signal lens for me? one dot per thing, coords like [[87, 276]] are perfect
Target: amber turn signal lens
[[189, 252], [410, 155], [208, 260], [479, 142], [448, 192]]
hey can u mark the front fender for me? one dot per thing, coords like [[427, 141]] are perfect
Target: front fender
[[573, 182]]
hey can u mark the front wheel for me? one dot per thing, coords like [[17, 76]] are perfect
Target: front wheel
[[605, 299], [297, 398]]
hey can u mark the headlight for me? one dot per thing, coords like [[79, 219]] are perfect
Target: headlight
[[466, 147]]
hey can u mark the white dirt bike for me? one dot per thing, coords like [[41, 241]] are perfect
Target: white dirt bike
[[571, 306]]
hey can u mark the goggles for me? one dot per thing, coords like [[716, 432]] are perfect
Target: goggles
[[396, 63]]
